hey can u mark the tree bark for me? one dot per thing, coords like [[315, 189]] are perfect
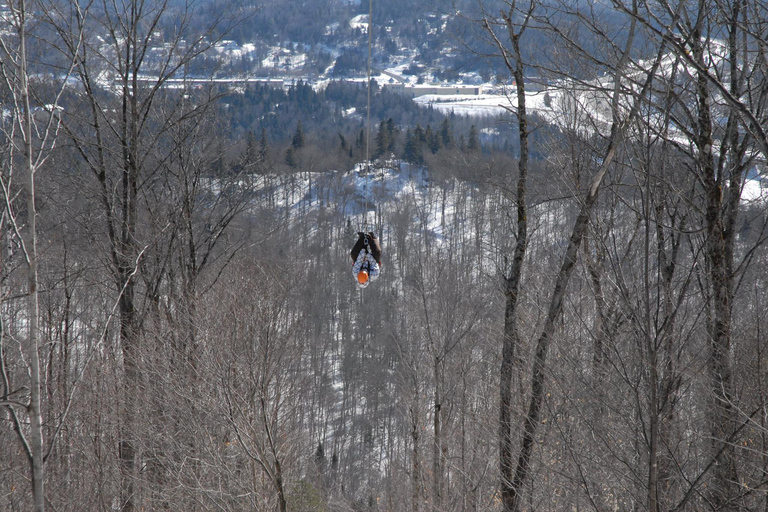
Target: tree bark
[[37, 464], [724, 486], [531, 421], [437, 447], [415, 456], [510, 337]]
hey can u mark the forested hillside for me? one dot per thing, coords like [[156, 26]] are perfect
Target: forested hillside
[[570, 310]]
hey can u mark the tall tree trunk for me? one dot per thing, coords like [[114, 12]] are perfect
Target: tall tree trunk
[[127, 452], [37, 464], [510, 338], [126, 252], [532, 418], [415, 456], [437, 447], [620, 123], [719, 255]]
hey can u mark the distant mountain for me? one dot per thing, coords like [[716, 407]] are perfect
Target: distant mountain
[[332, 37]]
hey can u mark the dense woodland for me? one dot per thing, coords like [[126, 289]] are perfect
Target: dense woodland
[[569, 317]]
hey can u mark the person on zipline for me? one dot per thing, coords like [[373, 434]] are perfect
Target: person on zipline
[[366, 255]]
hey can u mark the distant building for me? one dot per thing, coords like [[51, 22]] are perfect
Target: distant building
[[413, 91], [176, 83]]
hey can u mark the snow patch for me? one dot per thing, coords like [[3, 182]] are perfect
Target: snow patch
[[360, 22]]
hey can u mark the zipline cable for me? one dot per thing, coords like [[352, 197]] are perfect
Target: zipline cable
[[368, 124], [368, 120]]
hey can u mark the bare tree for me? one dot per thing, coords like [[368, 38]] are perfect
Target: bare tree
[[721, 113], [515, 19], [126, 135], [29, 138], [622, 98], [260, 378]]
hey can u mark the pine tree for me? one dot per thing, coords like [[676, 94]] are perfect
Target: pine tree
[[298, 137], [290, 158], [263, 146], [418, 133], [473, 141], [361, 139], [391, 135], [412, 151], [427, 134], [250, 158], [433, 140], [382, 141], [408, 146], [446, 135]]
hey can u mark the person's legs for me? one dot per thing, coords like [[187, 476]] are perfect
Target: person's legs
[[375, 247], [359, 246]]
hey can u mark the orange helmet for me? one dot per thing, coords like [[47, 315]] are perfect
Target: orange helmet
[[362, 277]]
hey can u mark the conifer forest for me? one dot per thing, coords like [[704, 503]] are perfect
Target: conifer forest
[[570, 309]]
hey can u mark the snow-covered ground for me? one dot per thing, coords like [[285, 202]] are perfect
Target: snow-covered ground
[[580, 107], [755, 190], [489, 103], [283, 58], [360, 22]]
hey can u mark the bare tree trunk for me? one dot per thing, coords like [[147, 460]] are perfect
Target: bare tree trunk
[[532, 418], [282, 502], [33, 136], [16, 75], [653, 370], [124, 251], [415, 456], [510, 338], [719, 255], [437, 446], [595, 269], [37, 464], [127, 451], [618, 127]]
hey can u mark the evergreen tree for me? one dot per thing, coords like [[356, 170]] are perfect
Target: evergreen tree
[[412, 151], [250, 145], [263, 147], [418, 133], [250, 158], [473, 141], [298, 136], [361, 139], [446, 135], [433, 140], [290, 157], [391, 134], [427, 134], [382, 141]]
